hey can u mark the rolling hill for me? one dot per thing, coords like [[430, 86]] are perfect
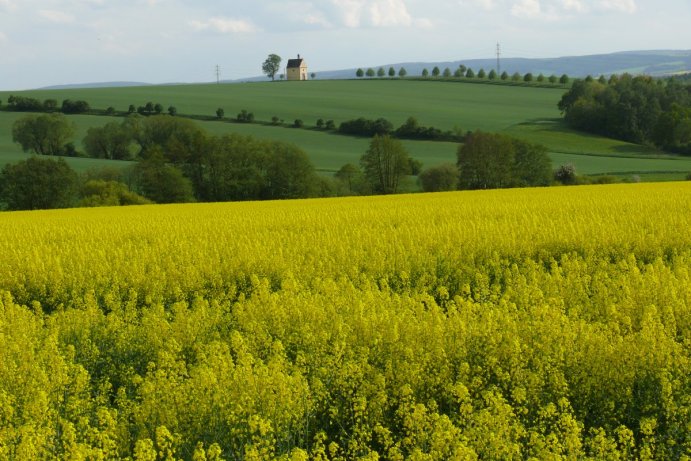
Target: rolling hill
[[527, 112]]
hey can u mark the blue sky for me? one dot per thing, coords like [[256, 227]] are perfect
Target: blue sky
[[50, 42]]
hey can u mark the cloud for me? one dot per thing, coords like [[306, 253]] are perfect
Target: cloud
[[57, 17], [377, 13], [575, 6], [625, 6], [527, 9], [487, 5], [389, 13], [7, 5], [225, 25]]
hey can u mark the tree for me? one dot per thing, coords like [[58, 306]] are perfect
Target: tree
[[350, 175], [220, 113], [360, 73], [172, 111], [447, 73], [74, 107], [38, 183], [553, 79], [470, 73], [45, 134], [481, 74], [402, 72], [484, 161], [392, 72], [492, 75], [381, 72], [528, 77], [112, 141], [160, 182], [385, 163], [435, 71], [370, 72], [564, 79], [439, 178], [289, 173], [425, 73], [489, 161], [271, 66], [516, 77], [458, 73], [504, 75]]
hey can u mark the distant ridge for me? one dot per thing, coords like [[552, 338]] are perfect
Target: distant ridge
[[655, 63], [93, 85], [651, 62]]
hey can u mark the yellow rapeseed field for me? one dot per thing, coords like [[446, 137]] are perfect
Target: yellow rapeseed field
[[548, 323]]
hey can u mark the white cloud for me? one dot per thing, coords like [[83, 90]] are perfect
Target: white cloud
[[574, 5], [377, 13], [625, 6], [3, 38], [7, 5], [225, 25], [527, 9], [487, 5], [389, 13], [57, 17]]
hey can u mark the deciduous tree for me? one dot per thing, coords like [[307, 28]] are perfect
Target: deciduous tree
[[271, 66], [385, 163], [38, 183], [45, 134]]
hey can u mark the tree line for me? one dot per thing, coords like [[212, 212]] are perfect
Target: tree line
[[636, 109], [463, 72]]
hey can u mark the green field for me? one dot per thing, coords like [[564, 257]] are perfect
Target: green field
[[526, 112]]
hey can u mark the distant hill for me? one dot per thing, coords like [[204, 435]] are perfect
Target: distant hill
[[94, 85], [656, 63]]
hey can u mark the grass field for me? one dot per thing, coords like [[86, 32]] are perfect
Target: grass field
[[526, 112]]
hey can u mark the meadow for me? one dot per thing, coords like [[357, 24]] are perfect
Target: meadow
[[527, 112], [550, 323]]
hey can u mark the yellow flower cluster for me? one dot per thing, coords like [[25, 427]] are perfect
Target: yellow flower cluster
[[512, 324]]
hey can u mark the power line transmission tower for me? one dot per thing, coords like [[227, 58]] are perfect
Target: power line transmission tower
[[218, 74], [498, 58]]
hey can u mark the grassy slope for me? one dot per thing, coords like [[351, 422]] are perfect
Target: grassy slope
[[530, 113]]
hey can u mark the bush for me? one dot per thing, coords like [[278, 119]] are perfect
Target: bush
[[298, 123], [320, 123], [330, 125], [220, 113], [74, 107], [566, 174], [275, 120], [439, 178], [245, 117], [365, 127]]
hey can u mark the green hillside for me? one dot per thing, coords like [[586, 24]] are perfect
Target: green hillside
[[527, 112]]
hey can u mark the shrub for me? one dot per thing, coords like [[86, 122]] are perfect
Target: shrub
[[439, 178], [566, 174], [365, 127], [245, 117], [298, 123]]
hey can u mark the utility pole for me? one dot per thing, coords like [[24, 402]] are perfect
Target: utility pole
[[498, 58], [218, 74]]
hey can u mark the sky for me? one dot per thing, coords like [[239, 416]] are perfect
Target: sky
[[53, 42]]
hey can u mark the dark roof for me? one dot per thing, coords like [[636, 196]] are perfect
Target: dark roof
[[293, 63]]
